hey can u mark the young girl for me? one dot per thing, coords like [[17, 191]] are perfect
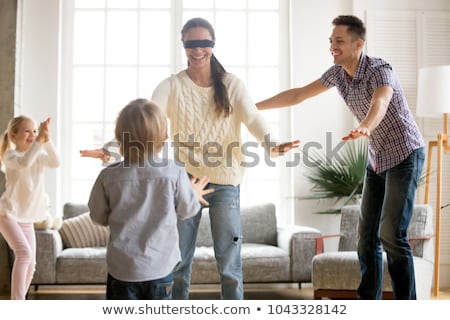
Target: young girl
[[23, 201], [140, 199]]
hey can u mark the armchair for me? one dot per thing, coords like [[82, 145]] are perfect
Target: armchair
[[337, 274]]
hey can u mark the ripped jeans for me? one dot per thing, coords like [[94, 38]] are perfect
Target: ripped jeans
[[226, 230]]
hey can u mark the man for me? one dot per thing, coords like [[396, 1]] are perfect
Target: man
[[372, 92]]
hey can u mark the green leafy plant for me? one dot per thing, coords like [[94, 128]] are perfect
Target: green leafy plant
[[341, 177]]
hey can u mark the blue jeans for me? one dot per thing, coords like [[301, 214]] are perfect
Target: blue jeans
[[158, 289], [386, 210], [226, 229]]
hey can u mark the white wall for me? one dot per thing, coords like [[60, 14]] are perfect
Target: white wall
[[311, 29]]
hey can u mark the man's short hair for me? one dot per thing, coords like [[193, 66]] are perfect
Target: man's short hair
[[355, 26]]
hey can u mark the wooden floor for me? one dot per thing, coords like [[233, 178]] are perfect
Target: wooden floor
[[253, 292], [264, 292]]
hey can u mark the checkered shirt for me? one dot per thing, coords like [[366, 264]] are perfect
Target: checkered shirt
[[397, 135]]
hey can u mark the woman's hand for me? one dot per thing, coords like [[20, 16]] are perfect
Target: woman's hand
[[101, 153], [199, 187], [285, 147]]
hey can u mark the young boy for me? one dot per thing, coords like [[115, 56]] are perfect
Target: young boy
[[139, 199]]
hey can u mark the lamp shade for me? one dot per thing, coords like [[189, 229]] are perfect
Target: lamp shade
[[433, 91]]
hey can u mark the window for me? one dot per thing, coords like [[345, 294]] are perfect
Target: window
[[118, 50]]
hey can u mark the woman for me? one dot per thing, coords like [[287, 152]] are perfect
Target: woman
[[206, 106]]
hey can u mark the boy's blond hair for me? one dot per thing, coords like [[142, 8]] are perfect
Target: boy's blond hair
[[141, 129]]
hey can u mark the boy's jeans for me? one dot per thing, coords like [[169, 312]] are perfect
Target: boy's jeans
[[158, 289]]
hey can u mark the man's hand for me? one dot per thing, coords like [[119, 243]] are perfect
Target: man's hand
[[285, 147], [199, 187]]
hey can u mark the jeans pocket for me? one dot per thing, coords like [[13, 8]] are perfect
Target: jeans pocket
[[163, 290], [122, 290]]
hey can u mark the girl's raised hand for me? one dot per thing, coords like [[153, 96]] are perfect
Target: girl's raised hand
[[44, 131]]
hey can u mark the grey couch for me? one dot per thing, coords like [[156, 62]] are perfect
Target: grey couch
[[270, 253]]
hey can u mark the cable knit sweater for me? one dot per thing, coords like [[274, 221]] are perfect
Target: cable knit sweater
[[206, 143]]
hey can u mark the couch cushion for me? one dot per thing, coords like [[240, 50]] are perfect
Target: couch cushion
[[422, 225], [259, 225], [72, 209], [82, 232], [336, 270], [204, 268], [260, 263], [265, 263], [81, 266]]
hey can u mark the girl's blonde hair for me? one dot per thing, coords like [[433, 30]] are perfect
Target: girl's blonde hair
[[141, 129], [13, 127]]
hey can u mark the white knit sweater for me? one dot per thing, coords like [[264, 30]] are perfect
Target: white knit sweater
[[210, 145]]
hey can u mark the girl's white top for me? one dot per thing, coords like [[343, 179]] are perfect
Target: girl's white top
[[24, 198]]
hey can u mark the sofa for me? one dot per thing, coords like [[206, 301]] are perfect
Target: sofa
[[270, 253]]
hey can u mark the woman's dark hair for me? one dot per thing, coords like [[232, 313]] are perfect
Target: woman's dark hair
[[221, 98], [355, 26]]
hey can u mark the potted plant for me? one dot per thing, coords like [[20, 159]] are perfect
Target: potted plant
[[341, 178]]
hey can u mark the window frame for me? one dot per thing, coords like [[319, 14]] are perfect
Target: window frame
[[177, 63]]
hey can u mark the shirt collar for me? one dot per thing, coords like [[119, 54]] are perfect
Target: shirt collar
[[360, 70]]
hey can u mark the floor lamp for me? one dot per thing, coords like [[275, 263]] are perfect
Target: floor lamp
[[433, 101]]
